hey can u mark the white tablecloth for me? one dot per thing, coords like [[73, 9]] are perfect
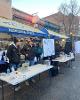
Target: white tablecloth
[[21, 75], [64, 58]]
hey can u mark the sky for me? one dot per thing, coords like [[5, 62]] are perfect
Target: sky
[[42, 8]]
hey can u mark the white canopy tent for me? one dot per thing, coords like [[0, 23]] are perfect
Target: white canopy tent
[[57, 34]]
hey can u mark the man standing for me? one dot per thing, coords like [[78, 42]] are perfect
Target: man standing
[[13, 54]]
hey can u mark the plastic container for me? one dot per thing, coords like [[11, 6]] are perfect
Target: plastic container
[[8, 71]]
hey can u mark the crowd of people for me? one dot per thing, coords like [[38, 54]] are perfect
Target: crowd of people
[[19, 52], [23, 51]]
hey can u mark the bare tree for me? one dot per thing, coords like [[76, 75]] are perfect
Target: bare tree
[[69, 19]]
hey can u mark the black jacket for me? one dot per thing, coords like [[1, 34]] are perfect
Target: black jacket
[[13, 54], [31, 53]]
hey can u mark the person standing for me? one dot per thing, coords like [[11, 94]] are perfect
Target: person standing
[[39, 51], [13, 54], [31, 54]]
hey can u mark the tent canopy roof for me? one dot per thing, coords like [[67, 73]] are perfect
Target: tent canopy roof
[[57, 34], [13, 27]]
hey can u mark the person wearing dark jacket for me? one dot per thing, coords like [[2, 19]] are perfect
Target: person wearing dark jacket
[[13, 54], [39, 51], [31, 54]]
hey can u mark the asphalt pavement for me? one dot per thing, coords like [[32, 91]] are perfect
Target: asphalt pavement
[[64, 86]]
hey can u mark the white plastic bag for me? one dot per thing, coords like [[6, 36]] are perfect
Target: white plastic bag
[[35, 59]]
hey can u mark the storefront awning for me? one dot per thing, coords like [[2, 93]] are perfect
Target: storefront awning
[[16, 28], [56, 35]]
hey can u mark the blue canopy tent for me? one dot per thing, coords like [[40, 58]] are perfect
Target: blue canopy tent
[[21, 33], [49, 35], [20, 30], [52, 35]]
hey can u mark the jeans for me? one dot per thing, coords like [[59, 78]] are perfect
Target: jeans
[[31, 62], [15, 66]]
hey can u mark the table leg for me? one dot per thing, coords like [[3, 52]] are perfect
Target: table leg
[[70, 63], [39, 77], [58, 67], [2, 91], [49, 73], [14, 93]]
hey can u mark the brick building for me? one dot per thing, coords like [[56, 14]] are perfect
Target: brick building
[[21, 16], [5, 12], [25, 18], [64, 22], [5, 9]]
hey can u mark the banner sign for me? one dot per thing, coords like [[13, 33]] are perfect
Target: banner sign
[[77, 47], [21, 32], [48, 47]]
